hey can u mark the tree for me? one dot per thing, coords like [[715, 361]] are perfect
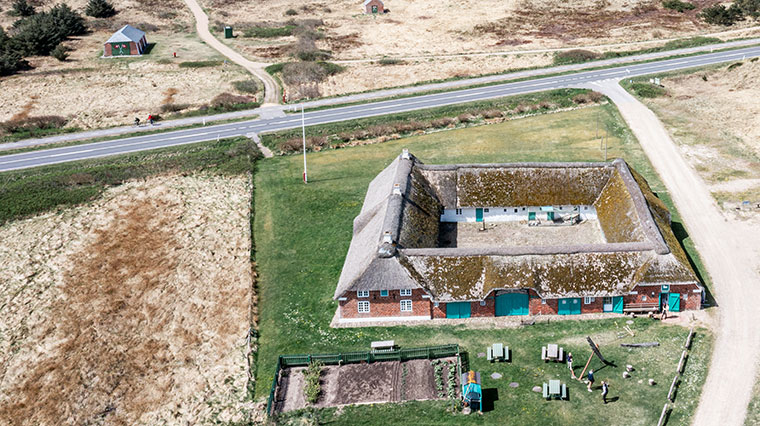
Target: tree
[[69, 22], [722, 15], [749, 7], [10, 60], [22, 8], [100, 9], [37, 35]]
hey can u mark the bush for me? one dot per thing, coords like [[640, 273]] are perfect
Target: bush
[[465, 118], [227, 100], [721, 15], [39, 34], [312, 387], [390, 61], [33, 123], [99, 9], [269, 32], [299, 73], [172, 107], [199, 64], [491, 113], [10, 60], [246, 86], [71, 23], [331, 68], [439, 123], [648, 90], [275, 68], [678, 5], [575, 56], [22, 8], [60, 52], [291, 12], [749, 7]]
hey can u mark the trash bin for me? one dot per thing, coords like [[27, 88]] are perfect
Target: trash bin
[[227, 32]]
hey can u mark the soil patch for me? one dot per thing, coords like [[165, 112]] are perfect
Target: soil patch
[[132, 310]]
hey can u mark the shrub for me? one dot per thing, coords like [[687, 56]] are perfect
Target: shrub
[[228, 100], [22, 8], [648, 90], [749, 7], [331, 68], [70, 23], [575, 56], [275, 68], [678, 5], [442, 122], [491, 113], [587, 98], [390, 61], [199, 64], [246, 86], [465, 118], [60, 52], [300, 73], [291, 12], [721, 15], [33, 123], [172, 107], [312, 386], [734, 66], [99, 9], [10, 60], [40, 33], [269, 32]]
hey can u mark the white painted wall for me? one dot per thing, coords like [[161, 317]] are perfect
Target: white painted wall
[[508, 214]]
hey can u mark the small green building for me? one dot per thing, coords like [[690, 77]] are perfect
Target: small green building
[[128, 41]]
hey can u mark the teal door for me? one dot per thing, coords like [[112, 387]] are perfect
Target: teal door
[[512, 304], [478, 215], [531, 215], [674, 302], [569, 306], [458, 310], [617, 304], [550, 216]]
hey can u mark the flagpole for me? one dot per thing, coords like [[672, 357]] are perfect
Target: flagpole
[[303, 132]]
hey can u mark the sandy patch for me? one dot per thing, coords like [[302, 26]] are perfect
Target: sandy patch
[[715, 118], [134, 309]]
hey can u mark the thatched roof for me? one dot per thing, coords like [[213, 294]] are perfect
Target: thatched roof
[[405, 201]]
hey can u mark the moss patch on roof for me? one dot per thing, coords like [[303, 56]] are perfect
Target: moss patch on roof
[[530, 186], [617, 213], [421, 213]]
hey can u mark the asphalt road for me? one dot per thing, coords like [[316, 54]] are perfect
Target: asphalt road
[[180, 137]]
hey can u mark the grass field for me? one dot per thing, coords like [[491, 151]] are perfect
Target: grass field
[[753, 411], [32, 191], [303, 232]]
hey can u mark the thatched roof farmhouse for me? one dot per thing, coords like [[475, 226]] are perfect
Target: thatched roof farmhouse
[[461, 240]]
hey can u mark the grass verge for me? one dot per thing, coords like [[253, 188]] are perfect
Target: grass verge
[[31, 191], [303, 232]]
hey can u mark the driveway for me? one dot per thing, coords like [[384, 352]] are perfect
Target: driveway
[[271, 91], [729, 249]]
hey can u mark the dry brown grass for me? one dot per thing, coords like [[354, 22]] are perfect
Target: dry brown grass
[[148, 317]]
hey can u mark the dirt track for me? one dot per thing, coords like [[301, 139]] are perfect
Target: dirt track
[[271, 92], [729, 250]]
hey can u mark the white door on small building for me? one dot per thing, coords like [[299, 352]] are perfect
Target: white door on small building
[[607, 304]]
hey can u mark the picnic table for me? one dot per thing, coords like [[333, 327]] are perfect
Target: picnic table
[[552, 352], [498, 352], [555, 389]]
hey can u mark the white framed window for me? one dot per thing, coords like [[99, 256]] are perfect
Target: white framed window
[[515, 210], [543, 301], [588, 300], [643, 298], [406, 291], [406, 306], [362, 293], [505, 210], [482, 303], [363, 307], [383, 293]]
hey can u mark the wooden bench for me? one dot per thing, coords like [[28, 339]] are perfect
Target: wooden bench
[[490, 354], [641, 307], [383, 345], [564, 391], [546, 391]]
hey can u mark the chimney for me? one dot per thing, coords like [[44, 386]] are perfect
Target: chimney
[[405, 154], [387, 237], [396, 189]]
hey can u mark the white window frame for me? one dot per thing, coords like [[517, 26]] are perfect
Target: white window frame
[[482, 303], [362, 293], [405, 292], [383, 293], [409, 304], [589, 300], [643, 298], [363, 307]]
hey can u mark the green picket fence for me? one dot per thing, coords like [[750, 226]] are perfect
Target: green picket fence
[[429, 352]]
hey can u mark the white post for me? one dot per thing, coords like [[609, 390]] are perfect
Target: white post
[[303, 132]]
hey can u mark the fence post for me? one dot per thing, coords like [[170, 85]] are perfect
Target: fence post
[[672, 388], [661, 422]]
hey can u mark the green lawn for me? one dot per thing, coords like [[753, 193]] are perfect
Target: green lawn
[[303, 231], [753, 411]]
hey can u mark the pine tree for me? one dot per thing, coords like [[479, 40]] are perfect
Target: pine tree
[[22, 8], [100, 9]]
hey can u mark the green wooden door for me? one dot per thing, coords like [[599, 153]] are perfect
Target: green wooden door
[[512, 304], [119, 49], [617, 304], [550, 216], [531, 215], [478, 215], [458, 310], [374, 8], [674, 302], [569, 306]]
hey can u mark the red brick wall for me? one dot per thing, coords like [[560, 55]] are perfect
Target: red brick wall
[[107, 49], [385, 306], [594, 307], [535, 307], [133, 48], [488, 310], [689, 299]]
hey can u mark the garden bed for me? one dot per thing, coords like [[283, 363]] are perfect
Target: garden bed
[[363, 383]]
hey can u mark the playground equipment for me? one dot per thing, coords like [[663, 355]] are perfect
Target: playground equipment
[[472, 393]]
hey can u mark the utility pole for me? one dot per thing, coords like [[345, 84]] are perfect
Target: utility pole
[[303, 133]]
